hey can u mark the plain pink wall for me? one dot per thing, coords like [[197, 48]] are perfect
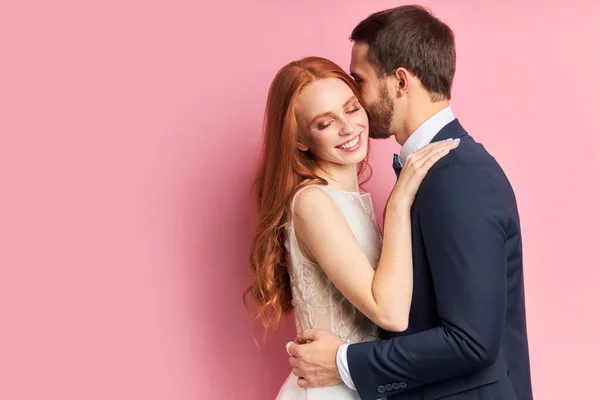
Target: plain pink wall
[[129, 130]]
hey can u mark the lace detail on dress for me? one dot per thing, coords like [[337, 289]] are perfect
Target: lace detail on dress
[[317, 302]]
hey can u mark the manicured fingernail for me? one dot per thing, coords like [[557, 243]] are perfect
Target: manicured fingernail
[[287, 347], [449, 140], [456, 141], [446, 150]]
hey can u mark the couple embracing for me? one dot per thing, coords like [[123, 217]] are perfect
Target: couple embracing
[[433, 306]]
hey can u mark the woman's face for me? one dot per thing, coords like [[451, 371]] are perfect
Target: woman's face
[[334, 127]]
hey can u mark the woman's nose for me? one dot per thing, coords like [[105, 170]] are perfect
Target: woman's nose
[[347, 128]]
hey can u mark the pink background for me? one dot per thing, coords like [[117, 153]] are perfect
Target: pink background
[[129, 130]]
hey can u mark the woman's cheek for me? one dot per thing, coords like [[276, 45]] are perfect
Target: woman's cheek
[[361, 118]]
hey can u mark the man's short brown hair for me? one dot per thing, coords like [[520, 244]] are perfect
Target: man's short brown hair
[[412, 38]]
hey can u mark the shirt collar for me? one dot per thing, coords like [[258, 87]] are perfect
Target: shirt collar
[[425, 133]]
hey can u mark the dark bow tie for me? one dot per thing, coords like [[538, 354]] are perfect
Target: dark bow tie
[[397, 165]]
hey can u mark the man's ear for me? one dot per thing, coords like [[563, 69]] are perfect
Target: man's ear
[[402, 81]]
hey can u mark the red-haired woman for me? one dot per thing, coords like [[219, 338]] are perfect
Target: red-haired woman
[[318, 249]]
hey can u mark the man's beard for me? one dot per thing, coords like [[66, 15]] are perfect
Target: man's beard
[[380, 115]]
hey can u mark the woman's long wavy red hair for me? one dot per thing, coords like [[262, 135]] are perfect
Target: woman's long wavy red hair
[[282, 171]]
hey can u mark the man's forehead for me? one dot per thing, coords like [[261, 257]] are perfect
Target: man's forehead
[[360, 48], [359, 57]]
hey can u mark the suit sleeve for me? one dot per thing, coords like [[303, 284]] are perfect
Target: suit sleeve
[[463, 224]]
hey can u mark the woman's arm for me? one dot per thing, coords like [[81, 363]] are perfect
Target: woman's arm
[[383, 295]]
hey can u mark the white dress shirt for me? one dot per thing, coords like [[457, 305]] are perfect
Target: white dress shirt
[[419, 139]]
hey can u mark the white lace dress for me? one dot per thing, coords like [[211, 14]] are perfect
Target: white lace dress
[[319, 304]]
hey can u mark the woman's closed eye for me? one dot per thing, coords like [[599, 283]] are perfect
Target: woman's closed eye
[[321, 126]]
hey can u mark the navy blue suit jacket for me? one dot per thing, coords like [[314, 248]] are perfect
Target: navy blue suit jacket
[[467, 336]]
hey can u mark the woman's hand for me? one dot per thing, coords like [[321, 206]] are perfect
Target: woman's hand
[[415, 169]]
